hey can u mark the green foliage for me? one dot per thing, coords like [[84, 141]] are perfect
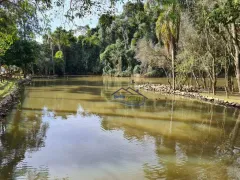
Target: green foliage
[[153, 73], [8, 31], [110, 47], [133, 43], [59, 59], [22, 53], [105, 20], [137, 69], [20, 20], [225, 13], [114, 45], [131, 9], [61, 37], [112, 53], [167, 25], [59, 55]]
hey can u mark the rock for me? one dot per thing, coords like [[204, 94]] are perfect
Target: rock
[[236, 151], [232, 104], [238, 105], [11, 99], [186, 91]]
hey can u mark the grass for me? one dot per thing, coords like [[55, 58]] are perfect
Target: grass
[[233, 97], [6, 87]]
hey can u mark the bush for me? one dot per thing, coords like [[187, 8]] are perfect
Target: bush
[[149, 69], [137, 69], [107, 70], [112, 72], [126, 73], [153, 73]]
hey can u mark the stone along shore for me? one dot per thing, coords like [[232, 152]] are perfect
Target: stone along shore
[[12, 98], [188, 92]]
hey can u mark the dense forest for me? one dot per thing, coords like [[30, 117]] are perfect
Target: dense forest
[[177, 39]]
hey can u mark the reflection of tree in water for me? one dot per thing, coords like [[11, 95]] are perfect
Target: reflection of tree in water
[[188, 159], [20, 135], [229, 151], [36, 174], [32, 174]]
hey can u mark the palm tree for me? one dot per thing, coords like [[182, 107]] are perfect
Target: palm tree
[[167, 30]]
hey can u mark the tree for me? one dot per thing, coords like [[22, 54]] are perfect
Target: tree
[[8, 31], [167, 31], [27, 15], [200, 53], [48, 39], [61, 39], [113, 55], [21, 54], [43, 63], [225, 19], [105, 22], [150, 55]]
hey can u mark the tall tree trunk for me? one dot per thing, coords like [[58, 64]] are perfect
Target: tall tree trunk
[[227, 81], [64, 59], [24, 30], [214, 78], [196, 79], [46, 70], [173, 53], [236, 58], [53, 63], [214, 87], [173, 70], [60, 49], [24, 70], [204, 80], [120, 64], [32, 68]]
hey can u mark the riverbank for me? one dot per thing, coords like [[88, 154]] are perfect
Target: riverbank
[[6, 87], [188, 92], [12, 97], [59, 76]]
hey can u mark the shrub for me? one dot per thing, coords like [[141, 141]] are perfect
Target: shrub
[[153, 73], [137, 69]]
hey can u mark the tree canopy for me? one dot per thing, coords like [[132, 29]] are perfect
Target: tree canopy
[[178, 39]]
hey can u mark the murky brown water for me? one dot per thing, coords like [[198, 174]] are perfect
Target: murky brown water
[[70, 129]]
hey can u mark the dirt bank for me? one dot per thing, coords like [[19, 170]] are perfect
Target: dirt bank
[[10, 100]]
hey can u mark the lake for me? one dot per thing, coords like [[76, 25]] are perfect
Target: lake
[[71, 129]]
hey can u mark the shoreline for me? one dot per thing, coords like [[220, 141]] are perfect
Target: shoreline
[[189, 92], [12, 98]]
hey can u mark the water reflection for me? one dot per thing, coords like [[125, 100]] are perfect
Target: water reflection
[[20, 135], [180, 159], [70, 129]]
